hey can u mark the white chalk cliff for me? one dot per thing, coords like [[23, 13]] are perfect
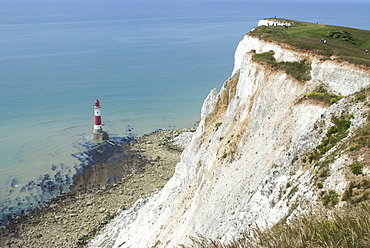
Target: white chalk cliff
[[239, 169]]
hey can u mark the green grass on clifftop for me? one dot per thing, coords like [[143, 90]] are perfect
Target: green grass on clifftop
[[344, 43]]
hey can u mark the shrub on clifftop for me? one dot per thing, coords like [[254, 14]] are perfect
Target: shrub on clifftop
[[342, 35]]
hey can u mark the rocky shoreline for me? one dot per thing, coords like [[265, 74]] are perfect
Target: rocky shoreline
[[71, 220]]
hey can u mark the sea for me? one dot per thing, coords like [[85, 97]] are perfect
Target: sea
[[151, 64]]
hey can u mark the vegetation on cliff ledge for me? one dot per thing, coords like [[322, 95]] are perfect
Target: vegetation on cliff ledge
[[342, 43], [299, 70]]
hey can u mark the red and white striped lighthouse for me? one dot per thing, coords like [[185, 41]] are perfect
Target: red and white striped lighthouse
[[97, 117], [98, 132]]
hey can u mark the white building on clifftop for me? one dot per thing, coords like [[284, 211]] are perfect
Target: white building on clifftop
[[273, 22]]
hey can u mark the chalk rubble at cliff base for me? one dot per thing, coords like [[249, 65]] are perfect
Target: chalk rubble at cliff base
[[71, 220]]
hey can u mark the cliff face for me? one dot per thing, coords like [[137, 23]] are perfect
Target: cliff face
[[245, 164]]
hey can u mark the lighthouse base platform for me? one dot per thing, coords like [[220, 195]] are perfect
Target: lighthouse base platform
[[100, 136]]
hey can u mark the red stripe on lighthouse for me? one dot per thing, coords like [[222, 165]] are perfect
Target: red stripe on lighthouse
[[97, 120]]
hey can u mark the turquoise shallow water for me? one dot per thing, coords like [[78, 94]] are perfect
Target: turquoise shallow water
[[151, 65]]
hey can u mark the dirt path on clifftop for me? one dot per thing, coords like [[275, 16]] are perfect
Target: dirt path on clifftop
[[73, 219]]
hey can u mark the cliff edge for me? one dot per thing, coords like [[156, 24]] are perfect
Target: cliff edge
[[271, 145]]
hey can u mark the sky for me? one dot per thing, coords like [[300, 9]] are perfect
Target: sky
[[275, 1]]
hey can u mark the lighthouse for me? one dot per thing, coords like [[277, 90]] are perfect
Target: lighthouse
[[98, 132]]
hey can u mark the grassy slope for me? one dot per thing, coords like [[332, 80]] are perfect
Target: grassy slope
[[344, 230], [308, 36]]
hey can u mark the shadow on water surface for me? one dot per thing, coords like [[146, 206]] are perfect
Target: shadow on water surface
[[99, 164]]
